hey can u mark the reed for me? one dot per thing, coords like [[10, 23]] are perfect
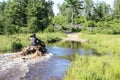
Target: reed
[[103, 43], [94, 68], [9, 42]]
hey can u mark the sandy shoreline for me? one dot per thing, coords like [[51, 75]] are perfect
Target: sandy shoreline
[[74, 37]]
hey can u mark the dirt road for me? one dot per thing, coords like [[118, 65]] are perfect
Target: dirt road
[[73, 37]]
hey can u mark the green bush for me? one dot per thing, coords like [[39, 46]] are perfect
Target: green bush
[[75, 29], [107, 24], [16, 45], [90, 24], [59, 20], [35, 25], [50, 28], [51, 39], [64, 28], [99, 24], [79, 20], [24, 30], [104, 27], [11, 29]]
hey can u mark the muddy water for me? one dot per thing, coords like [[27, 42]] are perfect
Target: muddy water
[[48, 67], [69, 48], [45, 68]]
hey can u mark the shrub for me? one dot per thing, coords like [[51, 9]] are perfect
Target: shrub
[[79, 20], [16, 45], [104, 27], [51, 39], [90, 24], [24, 30], [99, 24], [64, 28], [75, 29], [59, 20], [50, 28]]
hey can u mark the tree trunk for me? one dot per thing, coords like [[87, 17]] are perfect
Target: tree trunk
[[72, 17]]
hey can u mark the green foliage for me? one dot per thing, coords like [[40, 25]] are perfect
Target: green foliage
[[75, 29], [88, 9], [94, 68], [24, 30], [79, 20], [33, 14], [27, 16], [117, 8], [99, 24], [116, 28], [38, 15], [90, 24], [70, 9], [104, 27], [5, 43], [50, 29], [16, 45], [65, 11], [13, 29], [52, 37], [1, 29], [64, 28], [103, 43], [33, 24], [15, 42], [59, 20]]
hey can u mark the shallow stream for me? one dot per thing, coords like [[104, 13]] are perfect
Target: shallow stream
[[53, 68], [68, 49]]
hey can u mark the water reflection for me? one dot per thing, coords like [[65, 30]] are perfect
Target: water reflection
[[67, 44], [70, 48], [88, 51], [59, 51]]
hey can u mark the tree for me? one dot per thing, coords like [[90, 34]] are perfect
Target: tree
[[88, 9], [100, 11], [9, 15], [66, 12], [35, 15], [2, 6], [74, 6], [38, 15], [59, 20], [117, 8]]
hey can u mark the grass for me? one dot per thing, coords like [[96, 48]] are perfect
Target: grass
[[103, 43], [94, 68], [8, 41], [105, 67]]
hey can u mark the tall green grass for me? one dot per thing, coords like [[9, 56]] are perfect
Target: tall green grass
[[97, 67], [9, 42], [103, 43], [5, 43], [94, 68]]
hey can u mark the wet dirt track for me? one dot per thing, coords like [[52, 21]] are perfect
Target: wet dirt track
[[48, 67]]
